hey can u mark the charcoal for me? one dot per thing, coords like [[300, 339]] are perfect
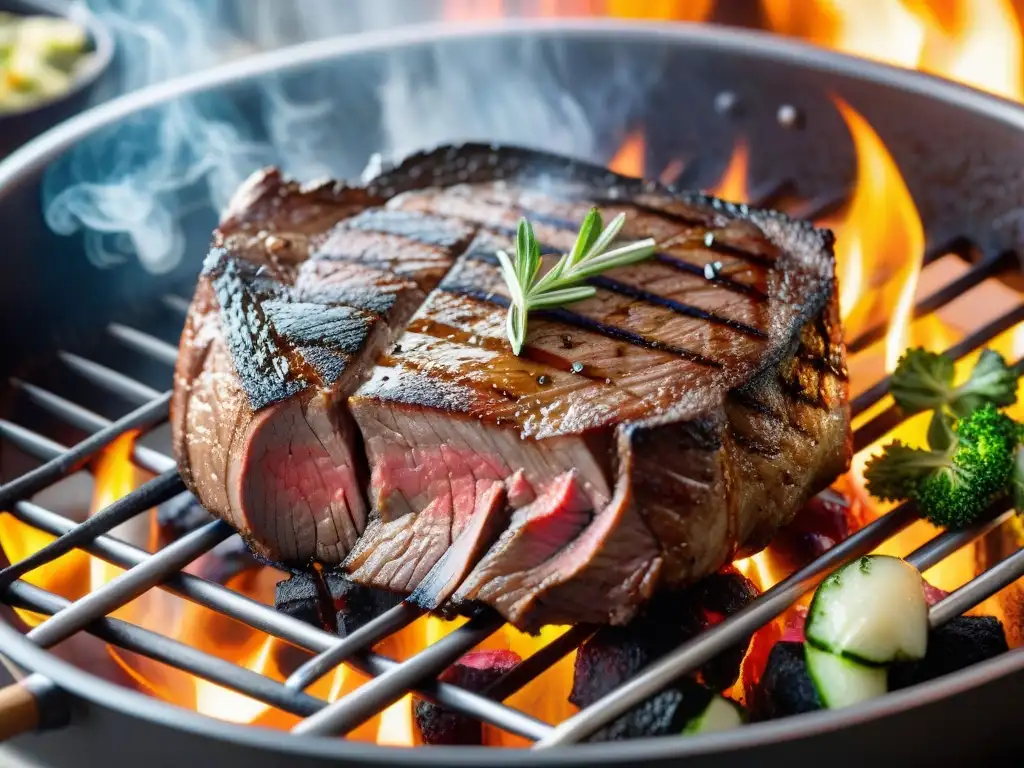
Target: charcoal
[[178, 516], [722, 595], [350, 605], [475, 672], [664, 714], [786, 687], [356, 605], [615, 654], [959, 643]]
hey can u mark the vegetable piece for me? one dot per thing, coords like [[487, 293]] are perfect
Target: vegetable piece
[[952, 487], [785, 688], [923, 381], [721, 714], [961, 642], [980, 468], [871, 611], [842, 682]]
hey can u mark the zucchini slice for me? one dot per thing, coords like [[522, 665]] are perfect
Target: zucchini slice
[[841, 682], [871, 611], [720, 714]]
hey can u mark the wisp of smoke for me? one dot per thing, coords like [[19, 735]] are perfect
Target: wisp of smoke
[[129, 187]]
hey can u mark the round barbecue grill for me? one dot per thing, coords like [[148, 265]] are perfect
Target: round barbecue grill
[[76, 317]]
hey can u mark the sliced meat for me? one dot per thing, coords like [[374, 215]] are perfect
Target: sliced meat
[[699, 397], [293, 306]]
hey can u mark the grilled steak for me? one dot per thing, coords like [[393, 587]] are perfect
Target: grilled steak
[[645, 436]]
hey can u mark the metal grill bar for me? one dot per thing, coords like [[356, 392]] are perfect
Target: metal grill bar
[[985, 268], [62, 461], [736, 628], [359, 706], [113, 381], [155, 646], [88, 421], [130, 584], [264, 618], [389, 622], [980, 588], [147, 495], [148, 345], [964, 347], [540, 661]]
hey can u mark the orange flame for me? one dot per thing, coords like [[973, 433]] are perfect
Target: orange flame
[[733, 184], [629, 159], [976, 43]]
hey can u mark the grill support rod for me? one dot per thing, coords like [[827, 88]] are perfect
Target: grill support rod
[[174, 653], [264, 618], [359, 706], [65, 461], [147, 495], [129, 585]]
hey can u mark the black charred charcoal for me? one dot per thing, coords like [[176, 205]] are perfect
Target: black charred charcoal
[[331, 601], [959, 643], [177, 516], [615, 654], [786, 687], [722, 595], [664, 714], [354, 604], [299, 596], [475, 672], [225, 561]]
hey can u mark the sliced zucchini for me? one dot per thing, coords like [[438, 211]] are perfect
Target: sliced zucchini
[[720, 714], [871, 611], [841, 682]]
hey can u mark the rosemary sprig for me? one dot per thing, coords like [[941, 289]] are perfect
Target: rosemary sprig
[[562, 284]]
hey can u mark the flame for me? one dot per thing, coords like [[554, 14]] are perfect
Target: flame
[[733, 184], [629, 159], [879, 243], [976, 42]]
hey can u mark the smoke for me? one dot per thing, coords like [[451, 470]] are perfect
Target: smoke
[[128, 188]]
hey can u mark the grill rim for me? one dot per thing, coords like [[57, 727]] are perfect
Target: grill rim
[[36, 155]]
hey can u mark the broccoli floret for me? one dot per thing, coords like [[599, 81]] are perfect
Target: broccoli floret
[[923, 381], [954, 486]]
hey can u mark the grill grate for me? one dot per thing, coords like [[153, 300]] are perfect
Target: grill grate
[[391, 679]]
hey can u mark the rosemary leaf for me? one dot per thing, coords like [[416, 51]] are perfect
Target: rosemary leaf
[[564, 283]]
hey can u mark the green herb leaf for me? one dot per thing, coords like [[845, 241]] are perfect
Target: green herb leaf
[[565, 282]]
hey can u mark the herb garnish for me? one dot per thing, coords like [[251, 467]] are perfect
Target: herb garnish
[[563, 283]]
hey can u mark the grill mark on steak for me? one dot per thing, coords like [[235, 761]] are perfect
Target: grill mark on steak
[[625, 289], [712, 243], [569, 317]]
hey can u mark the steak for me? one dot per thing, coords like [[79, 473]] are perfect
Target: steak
[[645, 437]]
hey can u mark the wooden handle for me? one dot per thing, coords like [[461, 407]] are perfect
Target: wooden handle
[[19, 711]]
